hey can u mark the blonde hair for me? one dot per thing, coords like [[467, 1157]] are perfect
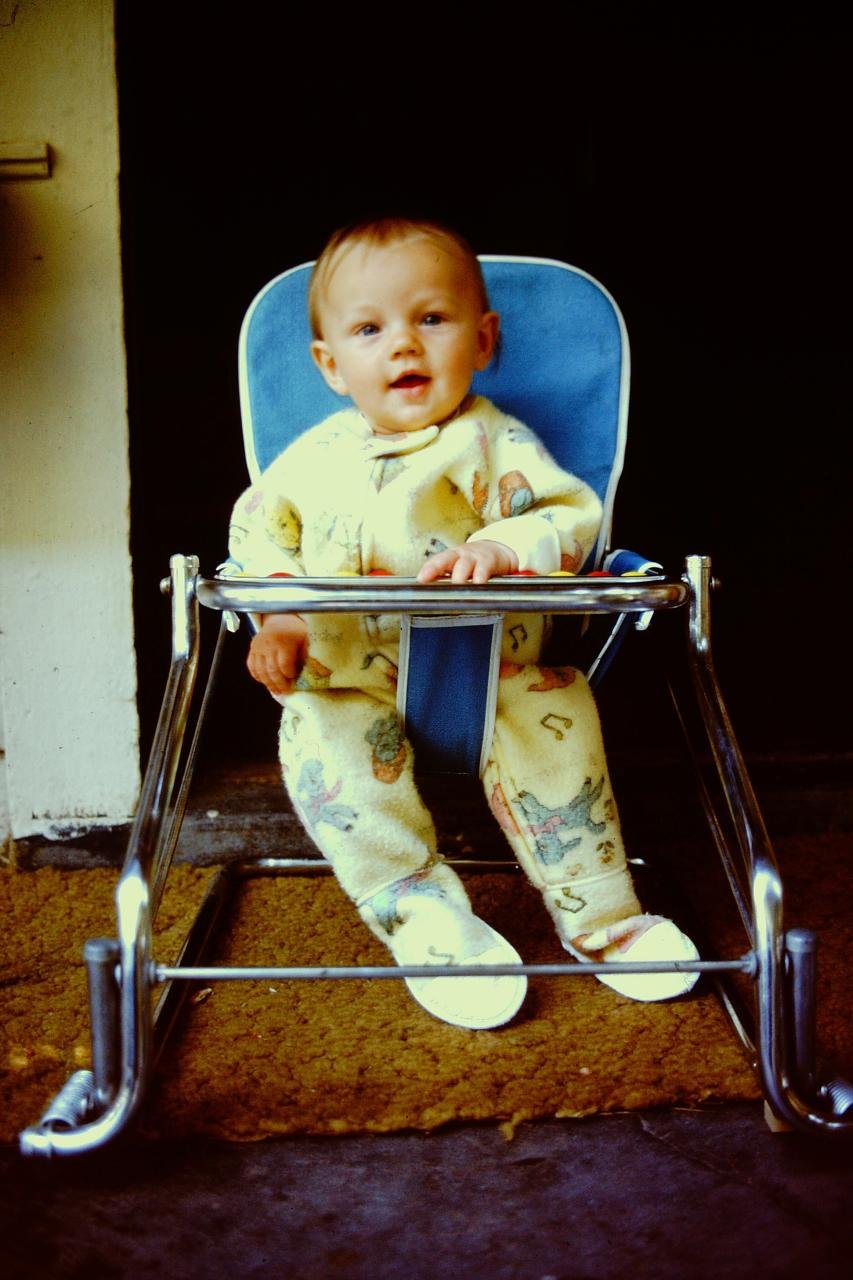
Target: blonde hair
[[382, 231]]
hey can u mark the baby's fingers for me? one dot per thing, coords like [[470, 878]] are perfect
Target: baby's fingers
[[275, 666], [438, 565], [468, 568]]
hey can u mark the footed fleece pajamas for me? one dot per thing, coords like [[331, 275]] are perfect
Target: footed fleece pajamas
[[343, 501]]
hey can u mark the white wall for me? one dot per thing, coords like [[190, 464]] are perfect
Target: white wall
[[67, 664]]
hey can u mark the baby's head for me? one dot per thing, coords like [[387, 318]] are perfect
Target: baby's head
[[401, 321]]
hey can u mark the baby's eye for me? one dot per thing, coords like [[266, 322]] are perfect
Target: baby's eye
[[432, 318], [367, 330]]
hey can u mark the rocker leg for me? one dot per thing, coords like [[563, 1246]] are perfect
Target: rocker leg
[[801, 956], [101, 956]]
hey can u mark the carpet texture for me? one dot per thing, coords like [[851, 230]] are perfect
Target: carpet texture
[[260, 1058]]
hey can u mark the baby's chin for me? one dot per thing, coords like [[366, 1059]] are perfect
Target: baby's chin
[[419, 422]]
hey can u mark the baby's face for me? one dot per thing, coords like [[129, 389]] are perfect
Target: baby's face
[[403, 332]]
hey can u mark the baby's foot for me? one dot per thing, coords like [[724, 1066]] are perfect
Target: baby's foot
[[642, 937], [432, 928]]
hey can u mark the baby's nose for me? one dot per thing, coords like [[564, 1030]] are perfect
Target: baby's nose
[[405, 340]]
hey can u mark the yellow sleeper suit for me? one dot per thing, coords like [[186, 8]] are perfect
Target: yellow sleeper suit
[[341, 501]]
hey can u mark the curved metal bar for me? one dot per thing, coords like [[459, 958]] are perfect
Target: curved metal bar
[[134, 891], [778, 1072], [403, 595], [135, 1039]]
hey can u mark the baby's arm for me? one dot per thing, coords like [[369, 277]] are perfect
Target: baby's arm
[[472, 562], [278, 652]]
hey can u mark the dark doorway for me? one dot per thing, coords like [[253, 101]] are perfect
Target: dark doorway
[[698, 175]]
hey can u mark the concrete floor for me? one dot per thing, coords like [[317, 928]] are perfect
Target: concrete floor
[[660, 1194], [663, 1194]]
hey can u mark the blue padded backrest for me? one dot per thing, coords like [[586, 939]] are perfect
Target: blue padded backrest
[[563, 367]]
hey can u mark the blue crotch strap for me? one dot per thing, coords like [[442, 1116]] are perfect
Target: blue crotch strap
[[448, 687]]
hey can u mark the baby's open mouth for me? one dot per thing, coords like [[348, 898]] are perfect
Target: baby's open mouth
[[410, 380]]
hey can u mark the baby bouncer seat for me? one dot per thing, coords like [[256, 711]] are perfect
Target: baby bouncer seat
[[563, 370]]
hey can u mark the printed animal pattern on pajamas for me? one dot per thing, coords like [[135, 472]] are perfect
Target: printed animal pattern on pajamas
[[342, 501], [550, 827], [316, 800], [385, 903]]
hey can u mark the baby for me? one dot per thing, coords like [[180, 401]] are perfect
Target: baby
[[422, 479]]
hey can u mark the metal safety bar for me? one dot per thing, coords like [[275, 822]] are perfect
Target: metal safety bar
[[107, 1099], [401, 595]]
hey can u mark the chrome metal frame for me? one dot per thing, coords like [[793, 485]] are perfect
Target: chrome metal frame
[[96, 1106]]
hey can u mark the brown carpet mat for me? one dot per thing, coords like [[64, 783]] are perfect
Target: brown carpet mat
[[262, 1058]]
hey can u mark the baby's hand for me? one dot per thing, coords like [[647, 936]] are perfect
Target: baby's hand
[[472, 562], [277, 653]]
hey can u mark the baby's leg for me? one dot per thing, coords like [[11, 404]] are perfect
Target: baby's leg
[[348, 770], [548, 785]]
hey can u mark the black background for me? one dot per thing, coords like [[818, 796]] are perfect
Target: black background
[[699, 170]]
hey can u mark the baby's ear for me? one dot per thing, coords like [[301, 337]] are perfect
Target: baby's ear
[[327, 365], [488, 332]]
